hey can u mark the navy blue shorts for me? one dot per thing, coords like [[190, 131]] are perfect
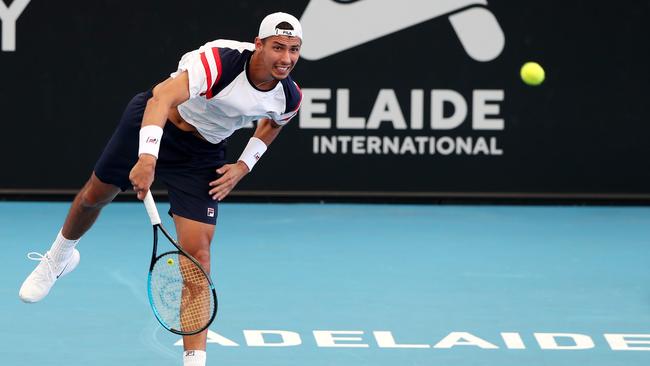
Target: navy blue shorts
[[186, 163]]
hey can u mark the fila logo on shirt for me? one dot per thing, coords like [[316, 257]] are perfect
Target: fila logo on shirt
[[361, 21]]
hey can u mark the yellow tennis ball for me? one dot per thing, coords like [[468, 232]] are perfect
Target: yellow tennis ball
[[170, 262], [532, 73]]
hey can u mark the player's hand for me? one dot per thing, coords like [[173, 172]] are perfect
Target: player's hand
[[142, 174], [231, 175]]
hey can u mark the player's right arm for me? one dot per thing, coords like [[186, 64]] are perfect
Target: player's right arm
[[170, 93], [195, 76]]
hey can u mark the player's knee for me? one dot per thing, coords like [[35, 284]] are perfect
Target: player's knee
[[203, 256], [197, 238], [91, 198], [95, 194]]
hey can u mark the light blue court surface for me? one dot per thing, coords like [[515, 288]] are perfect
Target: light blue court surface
[[357, 285]]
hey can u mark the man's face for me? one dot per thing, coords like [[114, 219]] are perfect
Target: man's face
[[279, 54]]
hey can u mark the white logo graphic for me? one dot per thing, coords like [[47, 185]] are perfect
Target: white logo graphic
[[9, 16], [455, 339], [335, 26]]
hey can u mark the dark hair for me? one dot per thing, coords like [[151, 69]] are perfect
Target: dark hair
[[285, 26], [282, 25]]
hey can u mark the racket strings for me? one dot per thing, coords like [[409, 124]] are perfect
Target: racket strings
[[181, 293], [196, 297]]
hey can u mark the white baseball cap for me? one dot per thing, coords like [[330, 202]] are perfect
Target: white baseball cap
[[269, 26]]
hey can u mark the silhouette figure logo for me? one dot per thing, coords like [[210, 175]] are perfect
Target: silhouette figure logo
[[338, 25]]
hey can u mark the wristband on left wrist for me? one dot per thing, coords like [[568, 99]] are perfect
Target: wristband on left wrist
[[253, 152]]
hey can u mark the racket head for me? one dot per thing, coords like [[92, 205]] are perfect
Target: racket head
[[181, 293]]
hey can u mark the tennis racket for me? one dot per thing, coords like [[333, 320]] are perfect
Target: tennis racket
[[180, 292]]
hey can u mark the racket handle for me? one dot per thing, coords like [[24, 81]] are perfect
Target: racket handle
[[150, 205]]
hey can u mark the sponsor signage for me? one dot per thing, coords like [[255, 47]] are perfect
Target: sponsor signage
[[456, 339], [418, 100]]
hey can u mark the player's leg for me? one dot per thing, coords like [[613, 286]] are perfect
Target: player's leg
[[110, 175], [186, 165], [195, 215], [62, 257], [195, 237], [86, 207]]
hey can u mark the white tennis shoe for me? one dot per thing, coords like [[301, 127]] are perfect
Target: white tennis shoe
[[38, 284]]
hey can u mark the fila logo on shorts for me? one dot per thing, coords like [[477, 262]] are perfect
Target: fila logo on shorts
[[476, 27], [210, 212]]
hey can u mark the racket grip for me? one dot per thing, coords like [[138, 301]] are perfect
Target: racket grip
[[150, 205]]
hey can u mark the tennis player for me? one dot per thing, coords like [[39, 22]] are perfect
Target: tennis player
[[177, 131]]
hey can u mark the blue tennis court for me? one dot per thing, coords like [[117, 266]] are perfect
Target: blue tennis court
[[358, 285]]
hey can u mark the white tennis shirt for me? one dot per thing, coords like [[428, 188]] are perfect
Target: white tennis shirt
[[223, 99]]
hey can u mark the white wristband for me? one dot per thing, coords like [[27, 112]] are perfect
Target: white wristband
[[253, 152], [150, 137]]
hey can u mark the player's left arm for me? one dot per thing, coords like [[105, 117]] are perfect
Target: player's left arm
[[267, 130]]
